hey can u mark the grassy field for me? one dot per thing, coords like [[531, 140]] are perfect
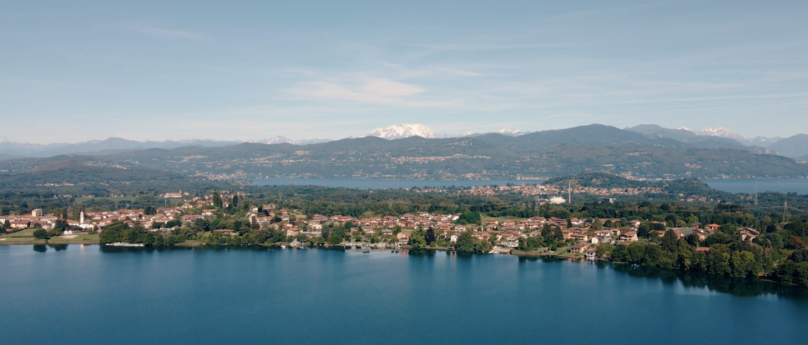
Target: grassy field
[[21, 237], [80, 239], [189, 243], [500, 219], [27, 237]]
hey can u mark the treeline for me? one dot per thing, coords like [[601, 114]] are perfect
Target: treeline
[[120, 232], [781, 253]]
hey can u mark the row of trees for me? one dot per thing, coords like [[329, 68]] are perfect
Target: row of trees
[[728, 255], [120, 232]]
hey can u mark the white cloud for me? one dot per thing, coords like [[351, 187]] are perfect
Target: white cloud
[[370, 90]]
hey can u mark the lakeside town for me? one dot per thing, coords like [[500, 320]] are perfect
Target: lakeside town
[[202, 219]]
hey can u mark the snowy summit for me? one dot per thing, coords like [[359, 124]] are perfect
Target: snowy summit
[[720, 132], [510, 132], [403, 131]]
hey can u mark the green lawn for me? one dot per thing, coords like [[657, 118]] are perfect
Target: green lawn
[[27, 237], [24, 233], [21, 237], [83, 238], [485, 219]]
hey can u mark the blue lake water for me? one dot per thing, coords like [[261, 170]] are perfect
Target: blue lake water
[[799, 186], [86, 295]]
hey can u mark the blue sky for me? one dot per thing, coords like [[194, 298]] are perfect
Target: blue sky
[[157, 70]]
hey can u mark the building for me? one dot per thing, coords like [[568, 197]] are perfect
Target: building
[[630, 236], [173, 195], [403, 238], [37, 212], [578, 248], [749, 234]]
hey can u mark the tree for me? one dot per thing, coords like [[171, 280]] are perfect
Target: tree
[[692, 239], [217, 200], [798, 256], [334, 239], [429, 236], [40, 234], [602, 250], [469, 217], [669, 241], [235, 201], [653, 255], [465, 243], [620, 253], [417, 240], [201, 225], [643, 230]]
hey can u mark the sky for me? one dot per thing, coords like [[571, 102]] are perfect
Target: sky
[[226, 70]]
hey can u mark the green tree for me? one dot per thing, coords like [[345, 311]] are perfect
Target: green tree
[[334, 239], [40, 234], [417, 240], [465, 243], [469, 217], [429, 237], [669, 241], [217, 200]]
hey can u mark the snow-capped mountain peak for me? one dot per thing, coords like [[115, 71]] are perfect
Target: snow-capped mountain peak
[[403, 131], [720, 132], [510, 131], [683, 128]]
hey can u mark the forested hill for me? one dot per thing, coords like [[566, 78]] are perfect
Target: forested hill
[[585, 149], [66, 173], [685, 186]]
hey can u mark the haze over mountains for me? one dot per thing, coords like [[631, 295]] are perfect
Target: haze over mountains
[[645, 152], [794, 147]]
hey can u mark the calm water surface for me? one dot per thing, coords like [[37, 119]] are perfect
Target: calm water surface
[[75, 295], [799, 186]]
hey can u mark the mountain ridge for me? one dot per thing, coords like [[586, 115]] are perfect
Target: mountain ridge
[[583, 149]]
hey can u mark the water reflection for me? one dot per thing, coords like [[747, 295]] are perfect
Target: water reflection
[[689, 280], [735, 286], [58, 247], [422, 252], [40, 248]]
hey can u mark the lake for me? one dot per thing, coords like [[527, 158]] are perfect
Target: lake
[[95, 295], [799, 186]]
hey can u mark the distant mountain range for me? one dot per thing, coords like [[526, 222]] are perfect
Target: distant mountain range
[[794, 146], [285, 140], [110, 145], [418, 130], [404, 131], [584, 149]]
